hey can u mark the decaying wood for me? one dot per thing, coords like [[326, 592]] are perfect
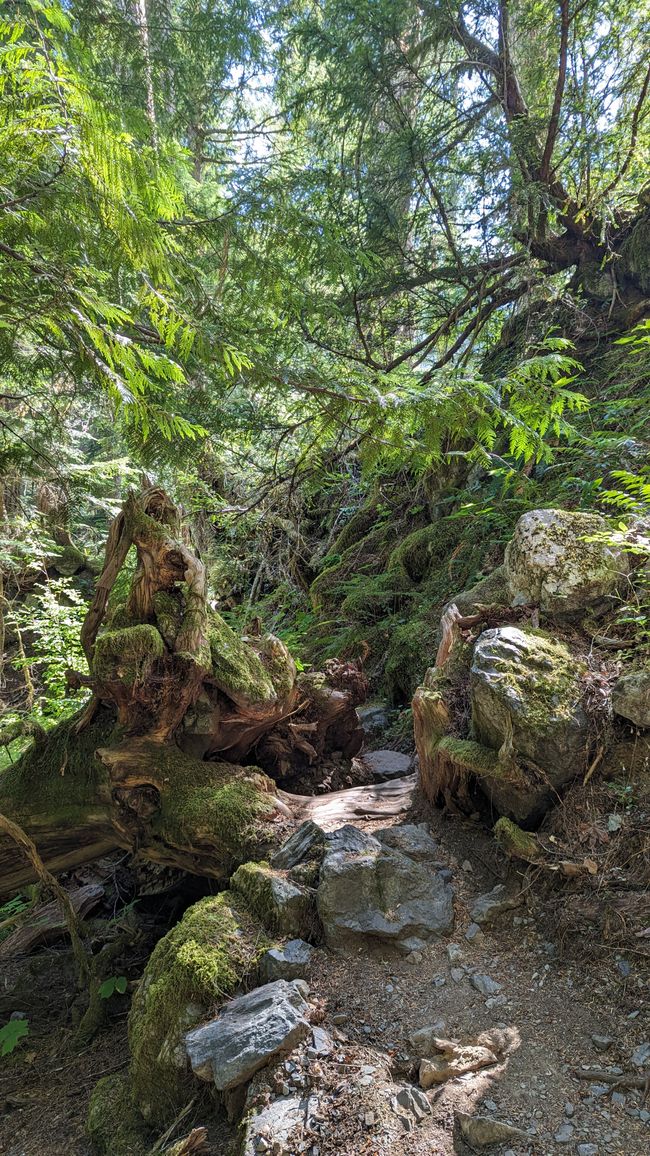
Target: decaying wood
[[28, 850], [450, 629], [45, 923], [378, 801], [194, 704]]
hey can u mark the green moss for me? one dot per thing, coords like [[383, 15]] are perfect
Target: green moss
[[423, 550], [114, 1124], [198, 964], [70, 561], [515, 842], [282, 906], [473, 756], [368, 555], [169, 614], [411, 649], [371, 598], [229, 813], [60, 777], [278, 664], [236, 668], [127, 655], [359, 525], [548, 681], [636, 252]]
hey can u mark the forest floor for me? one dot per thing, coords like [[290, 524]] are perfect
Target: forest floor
[[558, 994]]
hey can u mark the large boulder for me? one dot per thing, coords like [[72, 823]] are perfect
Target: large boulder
[[550, 562], [382, 893], [631, 697], [526, 693], [249, 1032], [204, 958]]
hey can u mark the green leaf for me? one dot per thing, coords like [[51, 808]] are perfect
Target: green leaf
[[11, 1034], [114, 983]]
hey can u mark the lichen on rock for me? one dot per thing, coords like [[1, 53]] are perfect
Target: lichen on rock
[[561, 561]]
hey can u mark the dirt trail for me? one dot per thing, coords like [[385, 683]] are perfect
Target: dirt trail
[[552, 1002]]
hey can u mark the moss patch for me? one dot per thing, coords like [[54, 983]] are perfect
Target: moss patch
[[127, 655], [114, 1123], [411, 649], [236, 668], [520, 844], [60, 776], [282, 906], [199, 963]]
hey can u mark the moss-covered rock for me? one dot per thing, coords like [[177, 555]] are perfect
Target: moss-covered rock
[[282, 906], [560, 561], [526, 691], [197, 965], [114, 1124], [127, 655]]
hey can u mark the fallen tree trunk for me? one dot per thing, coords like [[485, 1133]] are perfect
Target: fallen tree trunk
[[156, 760]]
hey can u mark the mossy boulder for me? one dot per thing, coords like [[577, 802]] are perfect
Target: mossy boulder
[[114, 1124], [197, 965], [526, 693], [282, 906], [561, 561]]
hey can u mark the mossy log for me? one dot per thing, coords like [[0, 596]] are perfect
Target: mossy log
[[178, 702]]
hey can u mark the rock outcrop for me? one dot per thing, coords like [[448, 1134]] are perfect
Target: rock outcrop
[[382, 893]]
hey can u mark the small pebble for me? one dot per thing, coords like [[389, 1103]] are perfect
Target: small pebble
[[473, 932], [587, 1150], [457, 973], [602, 1043], [564, 1134], [569, 1109], [485, 984]]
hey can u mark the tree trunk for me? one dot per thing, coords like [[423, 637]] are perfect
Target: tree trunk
[[178, 703]]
